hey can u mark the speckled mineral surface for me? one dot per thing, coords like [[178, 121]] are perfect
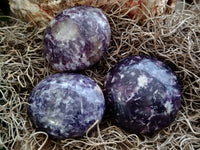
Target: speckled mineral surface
[[65, 105], [76, 38], [142, 95]]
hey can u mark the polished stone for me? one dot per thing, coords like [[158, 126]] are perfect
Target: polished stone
[[65, 105], [76, 38], [142, 94]]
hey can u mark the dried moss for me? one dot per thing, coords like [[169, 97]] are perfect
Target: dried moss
[[173, 39]]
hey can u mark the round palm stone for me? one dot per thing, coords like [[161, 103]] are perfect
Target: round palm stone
[[142, 94], [65, 105], [76, 38]]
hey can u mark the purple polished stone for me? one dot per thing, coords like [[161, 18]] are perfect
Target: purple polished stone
[[142, 95], [65, 105], [76, 38]]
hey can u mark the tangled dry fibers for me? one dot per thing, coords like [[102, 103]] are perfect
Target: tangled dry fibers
[[173, 39]]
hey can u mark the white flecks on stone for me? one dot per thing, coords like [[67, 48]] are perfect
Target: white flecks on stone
[[130, 97], [100, 21], [119, 97], [81, 101], [53, 82], [168, 107], [121, 76], [65, 31], [133, 73], [138, 98], [152, 114], [142, 81], [84, 59], [64, 84], [51, 119], [155, 92], [62, 131], [113, 79], [120, 68]]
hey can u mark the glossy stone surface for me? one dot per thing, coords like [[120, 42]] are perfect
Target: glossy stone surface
[[76, 38], [142, 95], [65, 105]]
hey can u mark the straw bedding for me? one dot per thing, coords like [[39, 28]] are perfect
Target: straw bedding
[[173, 39]]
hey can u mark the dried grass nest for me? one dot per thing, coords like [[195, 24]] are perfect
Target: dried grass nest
[[173, 39]]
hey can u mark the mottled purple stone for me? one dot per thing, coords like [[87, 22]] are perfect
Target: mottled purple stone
[[142, 95], [65, 105], [76, 38]]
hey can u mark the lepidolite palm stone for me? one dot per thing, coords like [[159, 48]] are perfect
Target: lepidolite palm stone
[[76, 38], [142, 94], [65, 105]]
